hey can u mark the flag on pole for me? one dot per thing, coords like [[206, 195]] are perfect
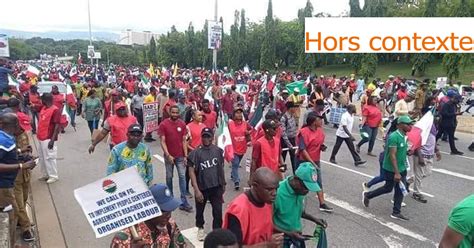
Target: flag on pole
[[419, 133], [271, 83], [297, 84], [175, 72], [223, 138], [151, 70], [208, 95], [13, 82], [32, 71]]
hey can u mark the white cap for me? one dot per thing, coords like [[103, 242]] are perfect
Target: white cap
[[297, 90]]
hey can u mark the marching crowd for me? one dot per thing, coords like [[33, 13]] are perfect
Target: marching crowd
[[280, 124]]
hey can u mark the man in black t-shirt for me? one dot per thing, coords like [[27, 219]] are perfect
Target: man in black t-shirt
[[206, 170]]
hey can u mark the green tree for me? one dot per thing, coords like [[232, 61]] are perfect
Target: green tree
[[368, 65], [431, 8], [243, 54], [355, 10], [152, 53], [267, 58], [375, 8], [190, 47]]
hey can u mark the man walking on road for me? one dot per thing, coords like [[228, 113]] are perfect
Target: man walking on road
[[344, 133], [289, 125], [47, 134], [448, 120], [132, 153], [239, 130], [206, 169], [172, 132], [394, 168]]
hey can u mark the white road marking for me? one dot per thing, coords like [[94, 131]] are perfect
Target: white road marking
[[392, 241], [455, 174], [191, 236], [395, 227], [362, 174], [461, 156], [159, 157]]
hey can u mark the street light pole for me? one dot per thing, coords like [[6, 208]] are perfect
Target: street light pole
[[214, 52], [90, 32]]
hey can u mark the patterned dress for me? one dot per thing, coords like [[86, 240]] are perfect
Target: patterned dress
[[171, 237], [123, 157]]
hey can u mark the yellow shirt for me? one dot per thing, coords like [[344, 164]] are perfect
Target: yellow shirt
[[149, 99]]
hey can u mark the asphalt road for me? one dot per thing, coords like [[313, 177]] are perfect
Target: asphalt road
[[61, 222]]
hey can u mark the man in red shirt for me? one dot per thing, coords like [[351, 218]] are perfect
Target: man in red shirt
[[172, 132], [250, 216], [130, 85], [117, 125], [280, 104], [115, 99], [171, 102], [35, 106], [240, 134], [47, 134], [266, 151], [227, 103], [310, 142], [210, 116], [58, 98]]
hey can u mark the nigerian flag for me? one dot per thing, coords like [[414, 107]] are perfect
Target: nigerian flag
[[223, 138]]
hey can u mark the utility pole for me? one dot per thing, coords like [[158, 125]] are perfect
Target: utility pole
[[90, 32], [214, 52]]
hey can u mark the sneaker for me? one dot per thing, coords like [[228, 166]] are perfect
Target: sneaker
[[457, 153], [359, 163], [325, 208], [403, 203], [28, 236], [188, 208], [52, 180], [365, 200], [236, 186], [332, 160], [419, 198], [44, 178], [201, 235], [399, 217], [365, 187]]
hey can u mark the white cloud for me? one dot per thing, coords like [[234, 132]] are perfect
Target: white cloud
[[151, 15]]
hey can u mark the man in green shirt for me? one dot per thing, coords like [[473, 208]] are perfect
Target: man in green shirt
[[394, 167], [460, 229], [288, 208]]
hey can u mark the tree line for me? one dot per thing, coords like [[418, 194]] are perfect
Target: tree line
[[266, 45]]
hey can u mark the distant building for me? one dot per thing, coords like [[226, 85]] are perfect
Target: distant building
[[130, 37]]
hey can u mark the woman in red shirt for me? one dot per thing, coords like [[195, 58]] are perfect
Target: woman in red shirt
[[371, 119], [240, 134]]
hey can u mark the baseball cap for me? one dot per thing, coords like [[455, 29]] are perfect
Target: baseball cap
[[207, 132], [297, 90], [285, 91], [307, 173], [163, 198], [405, 119], [451, 93], [135, 128], [119, 105]]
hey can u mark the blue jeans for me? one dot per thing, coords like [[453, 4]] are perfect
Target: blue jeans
[[287, 242], [388, 187], [72, 115], [181, 167], [380, 178], [372, 131], [234, 174]]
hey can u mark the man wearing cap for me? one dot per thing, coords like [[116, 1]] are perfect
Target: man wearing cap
[[289, 126], [394, 167], [116, 125], [266, 151], [47, 135], [448, 121], [132, 153], [239, 130], [161, 231], [206, 170], [172, 132], [280, 104], [294, 189], [297, 100]]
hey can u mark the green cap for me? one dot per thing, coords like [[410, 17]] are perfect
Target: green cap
[[307, 173], [405, 119]]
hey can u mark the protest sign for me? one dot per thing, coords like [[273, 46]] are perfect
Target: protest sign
[[150, 116], [214, 38], [116, 202], [4, 47], [441, 82]]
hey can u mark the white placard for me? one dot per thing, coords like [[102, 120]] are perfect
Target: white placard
[[90, 52], [116, 202], [389, 35], [4, 47], [214, 36], [441, 82]]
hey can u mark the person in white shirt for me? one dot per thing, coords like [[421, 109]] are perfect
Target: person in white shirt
[[344, 133], [402, 107]]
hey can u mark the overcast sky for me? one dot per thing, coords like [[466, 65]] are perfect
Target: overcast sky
[[153, 15]]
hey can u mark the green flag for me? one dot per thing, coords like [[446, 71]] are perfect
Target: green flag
[[297, 84]]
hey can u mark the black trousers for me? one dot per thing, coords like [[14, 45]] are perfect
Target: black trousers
[[216, 197], [450, 132], [349, 144], [291, 151], [138, 113]]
